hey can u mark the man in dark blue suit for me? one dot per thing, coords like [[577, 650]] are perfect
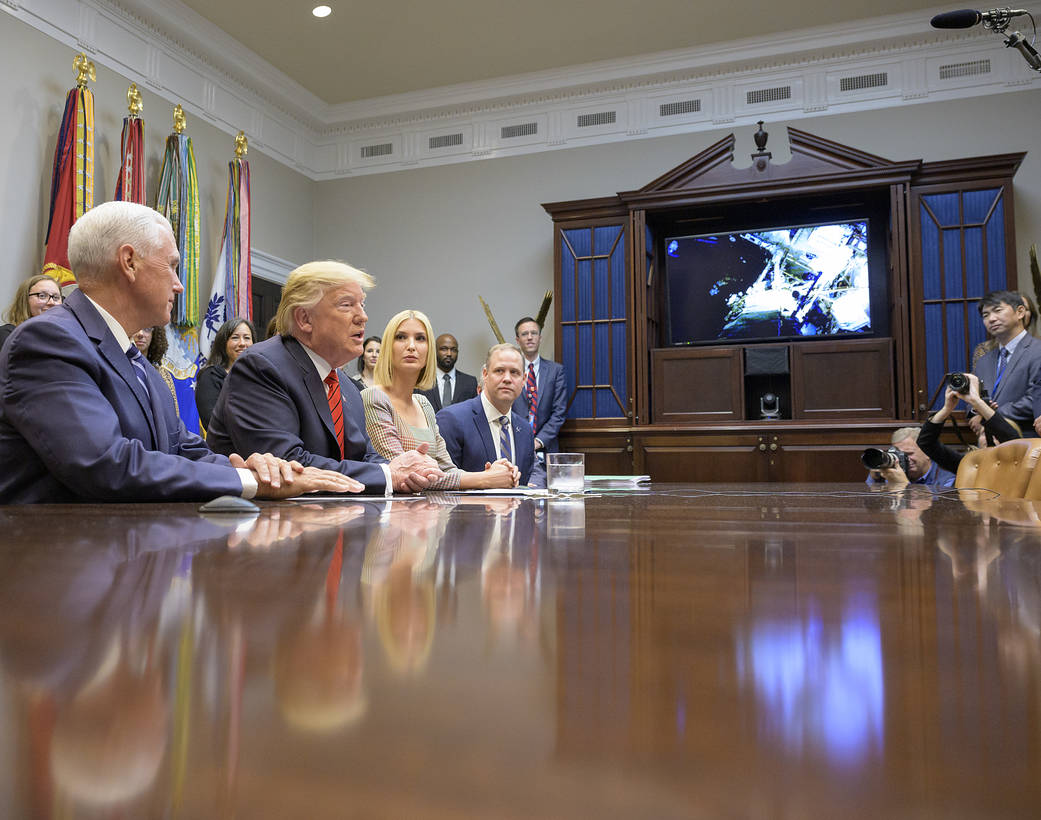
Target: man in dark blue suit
[[1014, 365], [473, 430], [84, 418], [545, 381], [282, 393]]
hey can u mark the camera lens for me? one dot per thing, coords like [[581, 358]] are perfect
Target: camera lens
[[875, 459], [959, 382]]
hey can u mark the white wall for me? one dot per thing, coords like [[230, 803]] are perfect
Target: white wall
[[437, 237], [37, 73], [434, 238]]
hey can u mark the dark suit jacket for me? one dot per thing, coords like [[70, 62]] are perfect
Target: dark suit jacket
[[465, 388], [552, 409], [464, 427], [1014, 395], [76, 425], [273, 402]]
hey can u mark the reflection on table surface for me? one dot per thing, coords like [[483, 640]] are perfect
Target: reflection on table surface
[[684, 650]]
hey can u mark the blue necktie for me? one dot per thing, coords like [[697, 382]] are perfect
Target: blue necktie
[[138, 361], [505, 450], [1003, 357]]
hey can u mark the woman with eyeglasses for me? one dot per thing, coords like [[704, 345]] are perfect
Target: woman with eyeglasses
[[35, 295]]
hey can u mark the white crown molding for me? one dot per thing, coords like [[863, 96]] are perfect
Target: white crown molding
[[270, 267], [821, 71]]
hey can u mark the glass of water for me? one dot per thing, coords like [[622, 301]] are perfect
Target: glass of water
[[565, 472]]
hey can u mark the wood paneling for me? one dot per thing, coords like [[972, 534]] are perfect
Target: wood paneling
[[842, 379], [697, 385]]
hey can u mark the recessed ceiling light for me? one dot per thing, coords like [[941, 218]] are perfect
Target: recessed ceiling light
[[321, 11]]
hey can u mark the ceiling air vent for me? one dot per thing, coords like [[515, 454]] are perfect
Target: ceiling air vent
[[603, 118], [859, 83], [765, 95], [446, 141], [674, 108], [524, 130], [381, 150], [970, 69]]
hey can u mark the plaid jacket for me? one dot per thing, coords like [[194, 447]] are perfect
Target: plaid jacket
[[392, 436]]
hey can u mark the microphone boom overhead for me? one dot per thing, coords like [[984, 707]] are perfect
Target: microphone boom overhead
[[994, 19]]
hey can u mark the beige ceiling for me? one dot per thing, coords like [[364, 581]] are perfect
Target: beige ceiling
[[383, 47]]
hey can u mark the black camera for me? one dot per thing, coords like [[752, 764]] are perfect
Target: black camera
[[875, 459], [959, 383]]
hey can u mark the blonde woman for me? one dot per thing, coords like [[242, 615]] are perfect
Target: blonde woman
[[397, 419]]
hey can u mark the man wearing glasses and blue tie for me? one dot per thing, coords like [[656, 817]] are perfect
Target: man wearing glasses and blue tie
[[1014, 364]]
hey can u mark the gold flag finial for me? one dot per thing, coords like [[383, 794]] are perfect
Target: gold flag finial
[[85, 70], [134, 103], [179, 122], [241, 145]]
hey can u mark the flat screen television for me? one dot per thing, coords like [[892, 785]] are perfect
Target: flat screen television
[[789, 282]]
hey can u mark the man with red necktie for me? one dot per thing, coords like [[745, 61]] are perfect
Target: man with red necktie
[[543, 401], [286, 395]]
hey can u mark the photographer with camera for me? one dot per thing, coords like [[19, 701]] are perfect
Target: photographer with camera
[[904, 463], [995, 427]]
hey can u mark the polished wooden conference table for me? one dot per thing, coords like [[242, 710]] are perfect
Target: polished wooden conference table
[[724, 651]]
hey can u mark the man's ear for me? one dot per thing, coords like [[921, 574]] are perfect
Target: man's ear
[[127, 261], [302, 319]]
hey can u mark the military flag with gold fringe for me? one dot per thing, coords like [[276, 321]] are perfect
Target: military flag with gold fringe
[[72, 180], [232, 292], [178, 201], [130, 186]]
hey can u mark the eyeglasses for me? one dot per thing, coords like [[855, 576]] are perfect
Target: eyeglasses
[[48, 297]]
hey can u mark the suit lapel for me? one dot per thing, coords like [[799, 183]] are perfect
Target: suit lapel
[[483, 430], [315, 388], [99, 333], [1013, 361]]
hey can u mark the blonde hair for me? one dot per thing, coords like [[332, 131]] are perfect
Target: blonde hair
[[306, 286], [383, 374], [18, 311]]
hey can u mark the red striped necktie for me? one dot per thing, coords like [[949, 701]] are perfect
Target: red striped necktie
[[531, 387], [332, 387]]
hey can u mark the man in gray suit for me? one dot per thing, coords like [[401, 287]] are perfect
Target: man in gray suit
[[1014, 365]]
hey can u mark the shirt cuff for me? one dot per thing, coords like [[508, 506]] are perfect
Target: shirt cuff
[[389, 485], [249, 483]]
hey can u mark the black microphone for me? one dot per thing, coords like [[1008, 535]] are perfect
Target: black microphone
[[967, 18]]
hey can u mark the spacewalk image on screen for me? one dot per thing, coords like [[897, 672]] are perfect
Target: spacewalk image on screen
[[783, 283]]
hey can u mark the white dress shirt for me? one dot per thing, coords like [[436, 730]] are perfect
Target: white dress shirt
[[324, 369], [492, 414]]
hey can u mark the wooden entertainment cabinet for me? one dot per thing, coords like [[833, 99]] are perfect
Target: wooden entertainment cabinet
[[693, 413]]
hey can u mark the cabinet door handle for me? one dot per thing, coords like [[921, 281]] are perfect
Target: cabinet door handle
[[762, 448], [773, 448]]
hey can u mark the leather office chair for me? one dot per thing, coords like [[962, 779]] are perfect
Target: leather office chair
[[1007, 468]]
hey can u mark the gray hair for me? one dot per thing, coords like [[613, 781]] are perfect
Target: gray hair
[[98, 234], [905, 433]]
